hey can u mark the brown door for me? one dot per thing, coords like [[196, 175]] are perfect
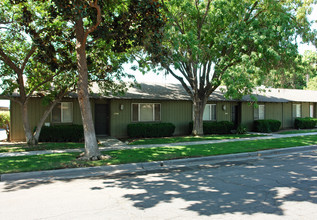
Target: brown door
[[102, 119]]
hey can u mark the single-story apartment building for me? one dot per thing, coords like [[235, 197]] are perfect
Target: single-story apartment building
[[159, 102]]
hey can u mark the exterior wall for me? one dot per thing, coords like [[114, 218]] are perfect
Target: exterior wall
[[305, 110], [35, 110], [274, 111], [247, 115], [177, 112], [288, 121]]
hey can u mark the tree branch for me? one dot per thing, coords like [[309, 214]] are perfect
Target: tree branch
[[93, 28], [26, 59], [181, 80], [8, 61]]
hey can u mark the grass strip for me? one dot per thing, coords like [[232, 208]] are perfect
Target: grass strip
[[68, 160], [11, 148], [168, 140], [298, 131]]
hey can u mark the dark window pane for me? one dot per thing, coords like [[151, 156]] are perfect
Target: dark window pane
[[56, 113], [157, 112]]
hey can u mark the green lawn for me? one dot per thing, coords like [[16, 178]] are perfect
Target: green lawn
[[298, 131], [169, 140], [68, 160], [10, 148]]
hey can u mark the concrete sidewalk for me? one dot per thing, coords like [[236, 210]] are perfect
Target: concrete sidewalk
[[114, 144]]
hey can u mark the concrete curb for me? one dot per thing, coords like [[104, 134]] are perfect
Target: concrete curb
[[134, 168]]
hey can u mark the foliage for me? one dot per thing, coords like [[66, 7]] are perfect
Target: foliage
[[137, 130], [312, 84], [62, 133], [241, 129], [233, 43], [5, 123], [305, 123], [215, 127], [267, 126], [34, 58], [4, 120]]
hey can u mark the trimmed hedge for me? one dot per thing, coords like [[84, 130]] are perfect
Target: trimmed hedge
[[143, 130], [305, 123], [267, 126], [215, 127], [62, 133]]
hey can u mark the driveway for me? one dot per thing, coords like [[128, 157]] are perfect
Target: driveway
[[273, 187], [3, 135]]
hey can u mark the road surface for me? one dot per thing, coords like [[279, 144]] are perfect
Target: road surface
[[279, 187]]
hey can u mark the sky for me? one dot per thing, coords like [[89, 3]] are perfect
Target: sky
[[161, 78]]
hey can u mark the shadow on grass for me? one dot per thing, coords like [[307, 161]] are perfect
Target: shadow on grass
[[246, 187]]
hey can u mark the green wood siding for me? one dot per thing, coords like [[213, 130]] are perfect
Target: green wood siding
[[35, 111], [177, 112], [287, 115], [305, 109], [247, 113], [223, 115], [274, 111]]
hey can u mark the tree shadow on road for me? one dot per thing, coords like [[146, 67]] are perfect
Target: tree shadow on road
[[244, 187]]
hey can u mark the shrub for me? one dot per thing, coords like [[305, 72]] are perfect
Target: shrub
[[215, 127], [241, 129], [142, 130], [62, 133], [305, 123], [267, 126], [5, 123]]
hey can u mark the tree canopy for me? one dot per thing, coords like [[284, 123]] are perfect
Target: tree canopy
[[33, 58], [233, 43]]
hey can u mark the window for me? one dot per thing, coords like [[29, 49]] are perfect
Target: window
[[210, 112], [146, 112], [259, 112], [311, 111], [297, 111], [63, 113]]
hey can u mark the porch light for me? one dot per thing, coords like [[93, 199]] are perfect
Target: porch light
[[224, 107], [121, 107]]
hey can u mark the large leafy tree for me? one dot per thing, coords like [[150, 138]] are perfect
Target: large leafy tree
[[208, 43], [33, 61], [101, 27], [310, 62]]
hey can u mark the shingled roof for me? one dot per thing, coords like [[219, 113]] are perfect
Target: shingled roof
[[169, 91]]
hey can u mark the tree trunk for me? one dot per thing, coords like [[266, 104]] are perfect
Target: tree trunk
[[91, 146], [199, 107], [36, 134], [30, 140]]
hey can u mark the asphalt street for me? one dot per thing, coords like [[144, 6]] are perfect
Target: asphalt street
[[272, 187], [3, 135]]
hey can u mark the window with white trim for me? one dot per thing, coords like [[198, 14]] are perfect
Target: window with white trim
[[146, 112], [63, 113], [210, 112], [311, 110], [259, 112], [297, 110]]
